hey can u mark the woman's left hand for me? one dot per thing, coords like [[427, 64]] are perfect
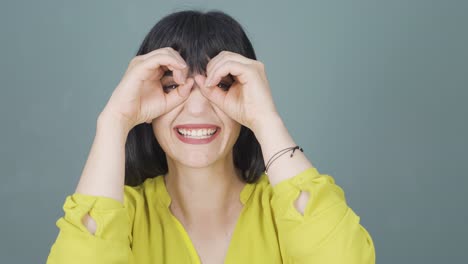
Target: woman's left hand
[[248, 100]]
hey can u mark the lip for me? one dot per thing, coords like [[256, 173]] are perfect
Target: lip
[[194, 140], [197, 126]]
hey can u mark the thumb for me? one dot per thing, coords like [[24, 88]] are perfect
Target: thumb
[[174, 98], [214, 94]]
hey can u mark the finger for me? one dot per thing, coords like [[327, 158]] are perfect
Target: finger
[[158, 73], [211, 74], [235, 68], [177, 55], [148, 67], [146, 70], [224, 56], [214, 95], [150, 103], [165, 50], [140, 58], [200, 80], [212, 62], [179, 75], [148, 54], [216, 60], [175, 98]]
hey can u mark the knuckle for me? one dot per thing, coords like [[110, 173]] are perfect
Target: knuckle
[[164, 55], [159, 51], [229, 56], [155, 52], [260, 64], [163, 58], [137, 58]]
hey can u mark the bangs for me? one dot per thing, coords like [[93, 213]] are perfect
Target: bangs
[[198, 37]]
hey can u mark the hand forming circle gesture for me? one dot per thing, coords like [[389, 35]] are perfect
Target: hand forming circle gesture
[[139, 97], [249, 98]]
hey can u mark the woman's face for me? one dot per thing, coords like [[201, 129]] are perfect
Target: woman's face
[[197, 119]]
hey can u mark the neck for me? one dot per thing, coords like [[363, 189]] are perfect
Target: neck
[[212, 192]]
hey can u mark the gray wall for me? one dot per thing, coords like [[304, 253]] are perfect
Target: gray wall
[[374, 91]]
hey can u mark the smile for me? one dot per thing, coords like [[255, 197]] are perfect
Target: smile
[[197, 136], [197, 133]]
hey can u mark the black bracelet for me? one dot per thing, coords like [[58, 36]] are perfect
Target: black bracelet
[[280, 153]]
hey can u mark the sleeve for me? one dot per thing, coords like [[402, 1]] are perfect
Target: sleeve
[[328, 232], [111, 242]]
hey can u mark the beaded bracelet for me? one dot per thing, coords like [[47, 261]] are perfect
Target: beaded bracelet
[[280, 153]]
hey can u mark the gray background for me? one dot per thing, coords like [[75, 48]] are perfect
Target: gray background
[[374, 91]]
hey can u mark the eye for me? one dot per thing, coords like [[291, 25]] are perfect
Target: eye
[[221, 85], [224, 86], [169, 87]]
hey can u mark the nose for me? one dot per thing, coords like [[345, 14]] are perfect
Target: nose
[[197, 104]]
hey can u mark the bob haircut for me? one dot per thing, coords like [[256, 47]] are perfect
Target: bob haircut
[[196, 36]]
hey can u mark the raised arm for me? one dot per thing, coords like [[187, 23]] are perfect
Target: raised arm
[[104, 172], [96, 227]]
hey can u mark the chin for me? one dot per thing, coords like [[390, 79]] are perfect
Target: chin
[[198, 159]]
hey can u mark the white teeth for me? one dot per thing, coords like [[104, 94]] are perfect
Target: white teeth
[[197, 133]]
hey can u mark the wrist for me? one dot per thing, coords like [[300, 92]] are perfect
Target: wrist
[[268, 124], [110, 123]]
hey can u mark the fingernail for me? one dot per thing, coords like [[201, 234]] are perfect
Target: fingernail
[[183, 64]]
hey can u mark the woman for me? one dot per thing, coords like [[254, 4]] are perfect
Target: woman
[[193, 121]]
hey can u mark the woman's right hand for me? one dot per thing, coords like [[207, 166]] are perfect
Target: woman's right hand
[[139, 97]]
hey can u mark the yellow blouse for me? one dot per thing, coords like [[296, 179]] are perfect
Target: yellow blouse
[[269, 229]]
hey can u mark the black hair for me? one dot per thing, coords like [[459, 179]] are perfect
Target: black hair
[[196, 36]]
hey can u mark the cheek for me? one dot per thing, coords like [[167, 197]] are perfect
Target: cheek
[[160, 130], [234, 129], [230, 124]]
